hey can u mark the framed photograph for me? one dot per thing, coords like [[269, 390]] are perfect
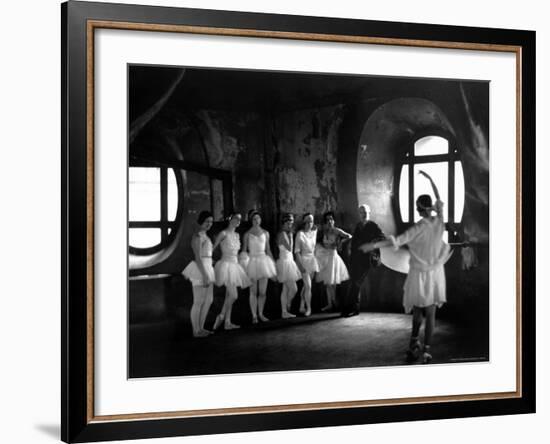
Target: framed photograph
[[275, 222]]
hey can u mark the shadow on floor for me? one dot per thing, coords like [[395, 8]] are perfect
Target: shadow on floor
[[322, 341]]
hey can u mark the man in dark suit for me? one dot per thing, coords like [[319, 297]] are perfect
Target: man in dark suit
[[366, 231]]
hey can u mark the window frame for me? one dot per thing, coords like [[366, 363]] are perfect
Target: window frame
[[177, 165], [407, 157], [163, 223]]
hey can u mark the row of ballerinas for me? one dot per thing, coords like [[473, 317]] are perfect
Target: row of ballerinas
[[300, 258]]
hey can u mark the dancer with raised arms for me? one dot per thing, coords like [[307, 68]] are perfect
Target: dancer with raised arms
[[333, 271], [424, 288]]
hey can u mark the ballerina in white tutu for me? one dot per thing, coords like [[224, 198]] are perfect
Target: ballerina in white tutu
[[259, 265], [201, 274], [333, 271], [229, 272], [306, 261], [287, 270]]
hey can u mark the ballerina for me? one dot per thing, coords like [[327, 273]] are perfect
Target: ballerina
[[424, 288], [229, 272], [333, 271], [287, 270], [201, 274], [259, 265], [306, 261]]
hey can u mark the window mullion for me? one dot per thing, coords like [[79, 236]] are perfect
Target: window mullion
[[164, 201]]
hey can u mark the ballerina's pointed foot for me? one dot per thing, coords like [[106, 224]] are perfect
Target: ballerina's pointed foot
[[413, 353], [307, 313], [287, 315], [218, 322], [230, 326], [327, 308]]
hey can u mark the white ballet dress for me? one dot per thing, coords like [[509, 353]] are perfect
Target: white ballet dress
[[228, 270], [192, 271], [333, 270], [259, 264], [287, 270], [425, 283], [305, 248]]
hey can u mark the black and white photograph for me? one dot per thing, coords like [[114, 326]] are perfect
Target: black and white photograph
[[286, 221]]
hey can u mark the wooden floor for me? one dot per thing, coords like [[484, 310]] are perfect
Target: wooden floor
[[322, 341]]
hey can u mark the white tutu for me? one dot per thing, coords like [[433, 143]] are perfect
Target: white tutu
[[260, 267], [193, 273], [310, 263], [287, 270], [333, 271], [229, 272]]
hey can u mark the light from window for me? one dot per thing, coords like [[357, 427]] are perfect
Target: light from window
[[144, 194], [439, 172], [172, 196], [404, 193], [148, 226], [459, 191], [431, 145], [144, 237], [438, 168]]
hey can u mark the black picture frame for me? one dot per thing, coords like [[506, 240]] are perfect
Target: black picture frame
[[78, 423]]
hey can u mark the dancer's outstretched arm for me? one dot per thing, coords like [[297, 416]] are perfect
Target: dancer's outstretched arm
[[438, 206], [434, 187]]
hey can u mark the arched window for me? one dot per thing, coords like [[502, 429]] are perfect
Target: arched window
[[152, 207], [436, 156]]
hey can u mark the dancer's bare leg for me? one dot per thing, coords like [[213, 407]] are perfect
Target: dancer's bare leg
[[302, 309], [307, 293], [209, 297], [292, 289], [199, 293], [289, 290], [428, 333], [253, 300], [414, 345], [230, 299], [331, 298], [262, 284], [284, 300]]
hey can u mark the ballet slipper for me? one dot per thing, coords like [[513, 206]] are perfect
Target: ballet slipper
[[287, 315], [208, 332], [263, 318], [218, 322], [426, 355], [200, 334], [413, 353], [307, 313], [254, 320], [230, 326], [327, 308]]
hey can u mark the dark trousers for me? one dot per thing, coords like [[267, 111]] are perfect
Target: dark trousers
[[352, 299]]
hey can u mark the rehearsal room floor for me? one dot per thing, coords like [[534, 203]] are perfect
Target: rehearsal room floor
[[322, 341]]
